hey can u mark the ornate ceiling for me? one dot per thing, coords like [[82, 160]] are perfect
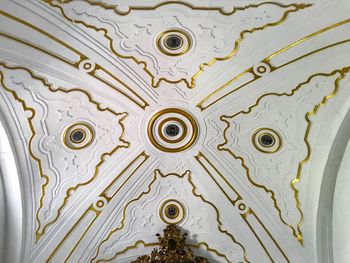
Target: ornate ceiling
[[218, 116]]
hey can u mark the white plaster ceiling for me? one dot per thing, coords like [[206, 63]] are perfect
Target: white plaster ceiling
[[280, 68]]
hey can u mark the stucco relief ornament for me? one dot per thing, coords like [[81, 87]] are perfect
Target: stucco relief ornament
[[173, 249]]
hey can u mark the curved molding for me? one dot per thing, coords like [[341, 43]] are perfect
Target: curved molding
[[324, 219], [11, 211], [341, 230]]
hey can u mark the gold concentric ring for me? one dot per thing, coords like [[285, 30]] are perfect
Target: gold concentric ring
[[174, 119], [276, 140], [174, 111], [261, 69], [164, 48], [171, 219], [173, 48], [71, 135], [169, 214], [87, 131]]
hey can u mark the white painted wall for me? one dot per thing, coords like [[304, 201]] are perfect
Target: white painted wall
[[341, 212], [10, 204]]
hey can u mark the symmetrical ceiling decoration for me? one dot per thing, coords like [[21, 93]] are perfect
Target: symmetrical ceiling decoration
[[218, 117]]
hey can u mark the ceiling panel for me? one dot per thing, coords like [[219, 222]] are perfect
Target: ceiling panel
[[221, 117]]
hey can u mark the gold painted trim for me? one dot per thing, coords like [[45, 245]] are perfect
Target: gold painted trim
[[297, 7], [145, 244], [31, 127], [267, 61], [191, 85], [75, 64], [169, 207], [266, 134], [187, 115], [173, 48], [242, 207], [296, 230], [239, 197], [71, 136], [184, 3], [261, 69], [146, 192], [40, 232], [91, 208]]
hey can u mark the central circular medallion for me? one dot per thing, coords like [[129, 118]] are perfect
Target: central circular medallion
[[172, 130]]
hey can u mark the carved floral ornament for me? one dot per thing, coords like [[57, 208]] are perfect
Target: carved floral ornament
[[172, 249]]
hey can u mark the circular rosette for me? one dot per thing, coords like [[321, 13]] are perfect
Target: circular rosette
[[172, 212], [78, 136], [261, 69], [87, 65], [266, 140], [173, 42], [172, 130]]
